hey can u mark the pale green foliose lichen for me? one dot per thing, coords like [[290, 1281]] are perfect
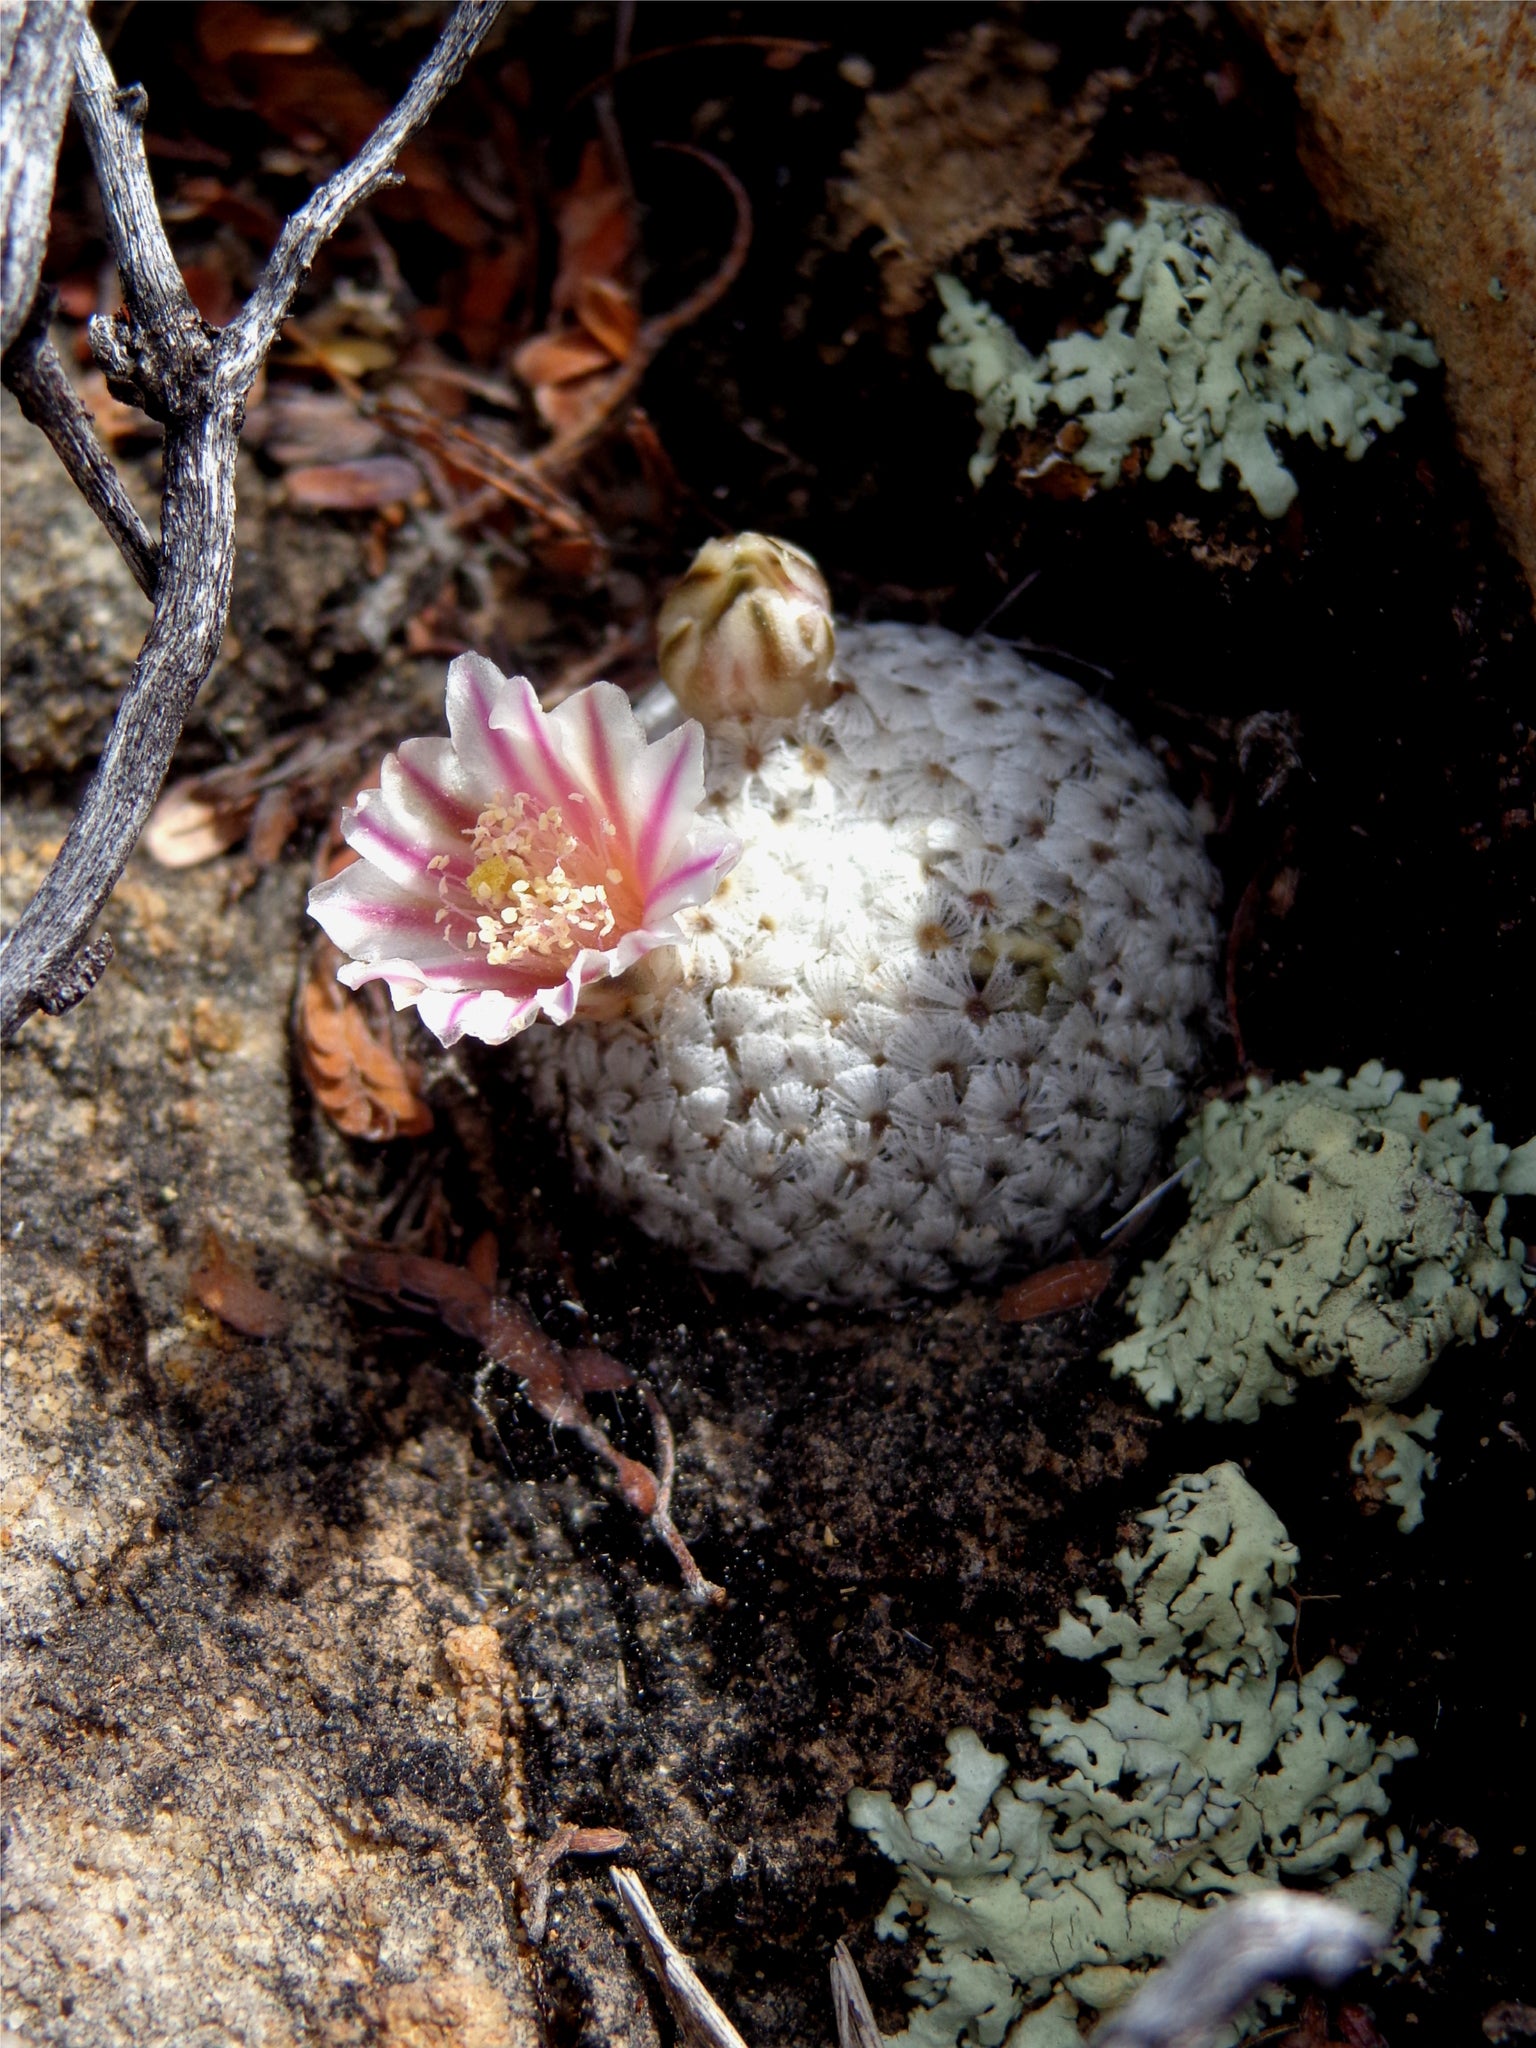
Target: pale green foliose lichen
[[1392, 1452], [1329, 1227], [1207, 1772], [1225, 352]]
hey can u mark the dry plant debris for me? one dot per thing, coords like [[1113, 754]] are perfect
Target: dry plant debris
[[345, 1054], [1058, 1288], [223, 1282], [556, 1382], [971, 144], [160, 352]]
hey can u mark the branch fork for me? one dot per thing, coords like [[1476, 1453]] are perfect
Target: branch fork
[[159, 354]]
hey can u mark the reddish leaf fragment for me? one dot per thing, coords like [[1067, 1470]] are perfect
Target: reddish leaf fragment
[[113, 420], [212, 199], [560, 358], [1357, 2027], [595, 1841], [233, 28], [576, 407], [226, 1289], [429, 1286], [637, 1483], [186, 828], [490, 281], [300, 428], [361, 486], [272, 824], [595, 1372], [597, 228], [1055, 1290], [354, 1075], [480, 1261], [609, 314]]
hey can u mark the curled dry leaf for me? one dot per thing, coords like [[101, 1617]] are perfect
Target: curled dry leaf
[[187, 827], [596, 225], [362, 486], [299, 428], [609, 314], [1058, 1288], [560, 358], [237, 28], [535, 1867], [222, 1282], [352, 1071]]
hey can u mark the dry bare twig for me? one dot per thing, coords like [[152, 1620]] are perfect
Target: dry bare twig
[[160, 354], [701, 2023], [37, 70], [856, 2026]]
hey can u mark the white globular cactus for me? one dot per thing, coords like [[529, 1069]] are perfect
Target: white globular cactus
[[940, 1013]]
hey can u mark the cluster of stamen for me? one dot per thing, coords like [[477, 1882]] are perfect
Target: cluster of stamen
[[522, 905]]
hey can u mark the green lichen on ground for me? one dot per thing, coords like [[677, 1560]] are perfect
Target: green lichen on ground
[[1206, 1772], [1329, 1227], [1226, 352]]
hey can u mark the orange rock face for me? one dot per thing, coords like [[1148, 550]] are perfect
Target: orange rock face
[[1420, 128]]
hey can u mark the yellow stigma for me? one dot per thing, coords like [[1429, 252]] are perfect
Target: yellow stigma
[[748, 631], [493, 879]]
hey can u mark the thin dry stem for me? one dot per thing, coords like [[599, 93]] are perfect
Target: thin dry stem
[[701, 2023], [37, 70], [32, 370], [700, 1589]]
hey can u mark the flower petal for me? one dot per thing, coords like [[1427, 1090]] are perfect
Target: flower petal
[[496, 764], [515, 738], [367, 913], [698, 867]]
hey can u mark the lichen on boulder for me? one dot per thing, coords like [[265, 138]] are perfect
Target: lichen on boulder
[[1329, 1227], [1207, 1772], [1226, 352]]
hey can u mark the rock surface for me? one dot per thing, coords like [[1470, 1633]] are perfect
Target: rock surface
[[1420, 128], [262, 1748], [71, 616]]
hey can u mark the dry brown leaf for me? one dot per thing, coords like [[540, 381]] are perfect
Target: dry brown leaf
[[271, 825], [300, 428], [224, 1286], [1058, 1288], [113, 420], [354, 1075], [490, 280], [361, 486], [560, 358], [480, 1260], [233, 28], [583, 402], [609, 314], [597, 228], [211, 199], [186, 828]]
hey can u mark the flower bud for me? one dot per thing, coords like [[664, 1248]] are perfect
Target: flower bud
[[748, 631]]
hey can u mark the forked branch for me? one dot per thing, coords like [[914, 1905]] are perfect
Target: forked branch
[[160, 354]]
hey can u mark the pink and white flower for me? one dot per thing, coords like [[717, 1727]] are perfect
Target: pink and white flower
[[531, 854]]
